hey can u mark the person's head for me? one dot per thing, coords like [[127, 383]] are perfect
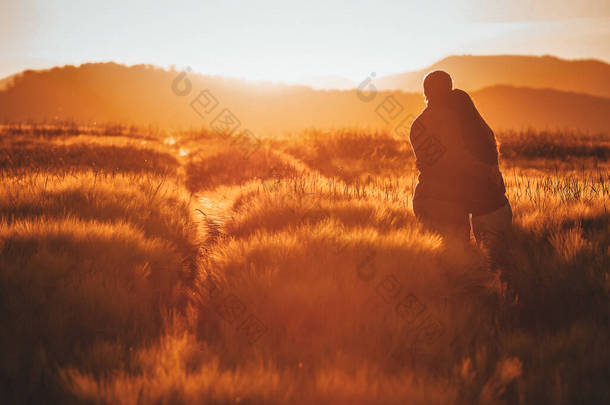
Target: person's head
[[437, 86]]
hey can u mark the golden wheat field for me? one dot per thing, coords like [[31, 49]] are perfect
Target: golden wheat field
[[147, 266]]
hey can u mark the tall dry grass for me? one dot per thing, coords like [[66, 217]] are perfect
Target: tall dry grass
[[295, 274], [97, 244]]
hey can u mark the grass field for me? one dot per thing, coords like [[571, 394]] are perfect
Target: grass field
[[141, 266]]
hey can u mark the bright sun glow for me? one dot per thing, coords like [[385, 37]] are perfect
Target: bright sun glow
[[293, 41]]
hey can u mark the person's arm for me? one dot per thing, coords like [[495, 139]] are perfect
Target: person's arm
[[473, 125], [419, 164], [465, 162]]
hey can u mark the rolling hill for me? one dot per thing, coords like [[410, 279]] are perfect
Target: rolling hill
[[476, 72], [143, 95], [7, 81]]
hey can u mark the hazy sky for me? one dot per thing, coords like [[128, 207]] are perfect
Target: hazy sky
[[288, 40]]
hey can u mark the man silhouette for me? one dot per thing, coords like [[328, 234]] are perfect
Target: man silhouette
[[462, 176]]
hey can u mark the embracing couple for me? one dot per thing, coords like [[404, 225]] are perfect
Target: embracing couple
[[457, 158]]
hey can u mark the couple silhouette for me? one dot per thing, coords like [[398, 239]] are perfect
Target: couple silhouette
[[460, 184]]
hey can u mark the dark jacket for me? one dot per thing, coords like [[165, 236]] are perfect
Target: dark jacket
[[479, 193], [433, 139]]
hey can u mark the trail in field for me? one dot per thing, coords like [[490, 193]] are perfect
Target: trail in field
[[213, 212], [297, 164], [214, 208]]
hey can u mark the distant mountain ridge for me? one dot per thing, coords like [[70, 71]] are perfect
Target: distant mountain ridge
[[476, 72], [508, 107], [7, 81], [143, 95]]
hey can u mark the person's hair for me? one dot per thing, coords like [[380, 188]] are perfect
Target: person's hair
[[437, 85]]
